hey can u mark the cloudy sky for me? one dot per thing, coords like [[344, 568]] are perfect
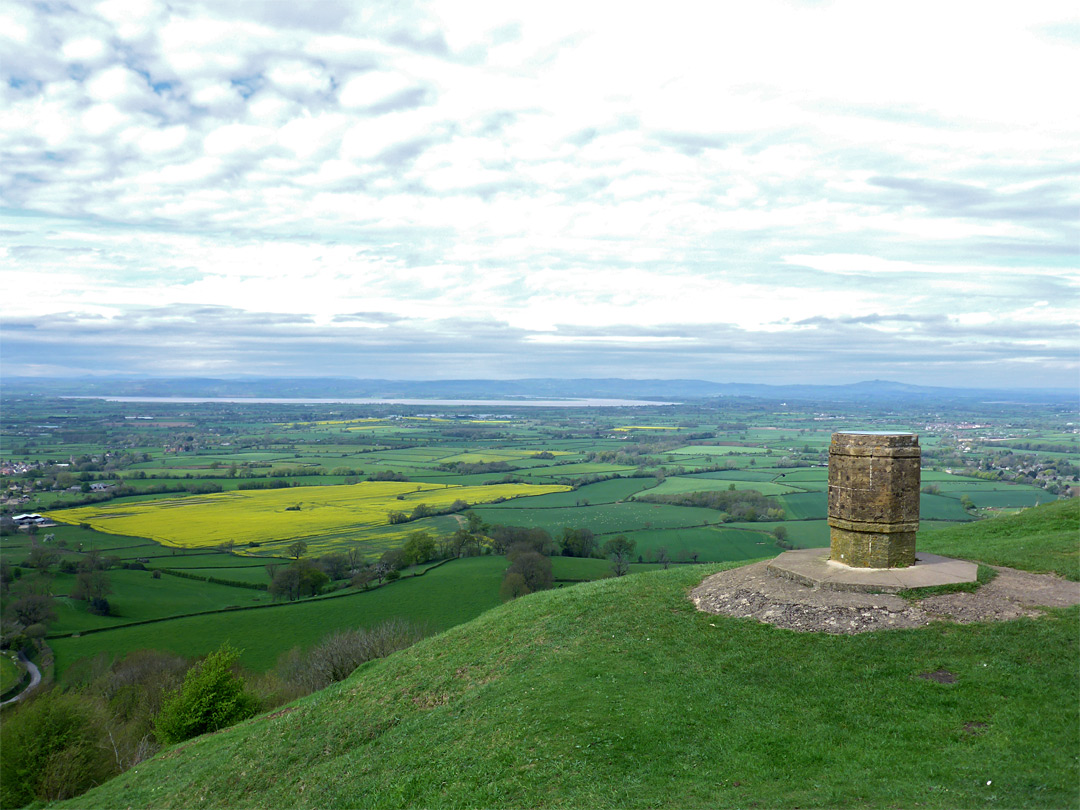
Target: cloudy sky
[[762, 192]]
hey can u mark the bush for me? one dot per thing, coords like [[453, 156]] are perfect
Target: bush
[[339, 654], [212, 697], [51, 750]]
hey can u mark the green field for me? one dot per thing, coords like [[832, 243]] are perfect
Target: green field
[[603, 518], [806, 505], [711, 543], [445, 596], [137, 596], [615, 489], [719, 450], [680, 484]]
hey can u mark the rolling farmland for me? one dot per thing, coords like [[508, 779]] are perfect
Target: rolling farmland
[[271, 517]]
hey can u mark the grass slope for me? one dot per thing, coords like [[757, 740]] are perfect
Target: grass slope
[[619, 694], [1042, 539]]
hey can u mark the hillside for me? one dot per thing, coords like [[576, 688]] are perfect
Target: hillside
[[619, 694]]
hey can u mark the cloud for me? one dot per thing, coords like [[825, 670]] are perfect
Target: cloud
[[711, 191]]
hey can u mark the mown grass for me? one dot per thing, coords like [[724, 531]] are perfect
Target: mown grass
[[619, 693]]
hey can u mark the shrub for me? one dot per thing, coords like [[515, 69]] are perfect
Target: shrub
[[211, 697], [339, 654], [51, 750]]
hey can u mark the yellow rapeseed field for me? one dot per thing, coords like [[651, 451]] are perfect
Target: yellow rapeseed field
[[261, 516]]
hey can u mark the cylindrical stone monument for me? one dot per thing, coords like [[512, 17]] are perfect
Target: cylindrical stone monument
[[874, 498]]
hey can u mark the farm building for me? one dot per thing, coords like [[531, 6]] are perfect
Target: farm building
[[30, 518]]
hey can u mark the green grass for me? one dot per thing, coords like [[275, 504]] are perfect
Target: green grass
[[805, 505], [619, 694], [10, 672], [680, 484], [445, 596], [615, 489], [712, 543], [137, 596], [1042, 539], [718, 450], [602, 518], [734, 475], [802, 533]]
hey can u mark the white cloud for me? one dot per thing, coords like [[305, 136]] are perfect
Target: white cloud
[[85, 50], [374, 88], [784, 169]]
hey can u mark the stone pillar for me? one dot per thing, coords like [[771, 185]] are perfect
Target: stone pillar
[[874, 498]]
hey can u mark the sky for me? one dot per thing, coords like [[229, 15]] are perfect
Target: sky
[[773, 192]]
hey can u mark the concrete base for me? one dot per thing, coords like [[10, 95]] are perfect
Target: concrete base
[[812, 567]]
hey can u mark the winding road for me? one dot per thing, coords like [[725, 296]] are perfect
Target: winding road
[[35, 679]]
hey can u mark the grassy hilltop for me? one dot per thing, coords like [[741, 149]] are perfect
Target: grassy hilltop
[[618, 693]]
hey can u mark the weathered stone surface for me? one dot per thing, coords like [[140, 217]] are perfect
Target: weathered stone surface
[[862, 549], [752, 591], [874, 498]]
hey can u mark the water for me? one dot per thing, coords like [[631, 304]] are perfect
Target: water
[[471, 403]]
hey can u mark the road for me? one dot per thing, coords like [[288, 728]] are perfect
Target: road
[[35, 679]]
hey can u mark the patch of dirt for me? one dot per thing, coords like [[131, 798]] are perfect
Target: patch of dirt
[[751, 592], [279, 713], [939, 676]]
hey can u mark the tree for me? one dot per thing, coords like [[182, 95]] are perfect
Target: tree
[[394, 559], [41, 557], [619, 549], [212, 697], [474, 523], [34, 608], [419, 548], [335, 566], [513, 586], [91, 585], [533, 568], [298, 549], [299, 579], [577, 542], [663, 558]]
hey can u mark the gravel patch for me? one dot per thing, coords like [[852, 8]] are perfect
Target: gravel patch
[[751, 592]]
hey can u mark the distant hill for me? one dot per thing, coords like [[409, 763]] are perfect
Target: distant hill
[[876, 391], [619, 693]]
